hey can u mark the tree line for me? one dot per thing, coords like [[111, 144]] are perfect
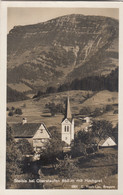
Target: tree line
[[94, 83], [13, 95]]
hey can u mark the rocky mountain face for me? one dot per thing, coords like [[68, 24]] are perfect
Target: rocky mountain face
[[61, 50]]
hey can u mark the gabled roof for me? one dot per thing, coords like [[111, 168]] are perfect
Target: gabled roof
[[104, 140], [69, 119], [26, 130]]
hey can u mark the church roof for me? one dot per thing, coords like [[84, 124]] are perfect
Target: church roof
[[70, 119], [68, 114]]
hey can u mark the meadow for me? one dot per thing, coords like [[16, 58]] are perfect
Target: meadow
[[34, 109]]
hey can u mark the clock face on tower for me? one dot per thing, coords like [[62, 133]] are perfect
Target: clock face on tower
[[66, 120]]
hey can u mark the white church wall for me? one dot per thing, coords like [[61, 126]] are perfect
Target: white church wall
[[66, 138], [67, 126], [72, 130], [67, 131]]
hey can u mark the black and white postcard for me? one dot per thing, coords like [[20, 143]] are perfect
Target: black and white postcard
[[61, 72]]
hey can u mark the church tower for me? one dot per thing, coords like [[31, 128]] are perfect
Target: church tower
[[67, 125]]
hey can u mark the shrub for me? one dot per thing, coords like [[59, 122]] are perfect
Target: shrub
[[38, 95], [52, 150], [24, 146], [24, 105], [13, 108], [97, 112], [66, 168], [54, 109], [115, 112], [18, 111], [51, 90], [78, 148], [10, 113], [78, 122], [85, 110], [109, 99], [109, 107]]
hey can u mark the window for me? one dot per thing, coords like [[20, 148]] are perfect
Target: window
[[65, 128], [41, 130], [65, 138]]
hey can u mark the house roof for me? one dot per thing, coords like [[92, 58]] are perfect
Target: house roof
[[27, 129], [104, 140]]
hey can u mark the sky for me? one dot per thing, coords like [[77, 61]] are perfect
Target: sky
[[24, 16]]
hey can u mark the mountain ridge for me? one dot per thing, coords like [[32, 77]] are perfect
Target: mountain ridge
[[62, 49]]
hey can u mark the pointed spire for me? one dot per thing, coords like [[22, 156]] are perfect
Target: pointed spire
[[68, 111]]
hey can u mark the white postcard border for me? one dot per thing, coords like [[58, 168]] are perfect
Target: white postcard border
[[3, 49]]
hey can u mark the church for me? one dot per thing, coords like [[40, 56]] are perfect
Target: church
[[67, 125]]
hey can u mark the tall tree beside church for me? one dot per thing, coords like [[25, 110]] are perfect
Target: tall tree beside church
[[13, 158], [52, 150], [101, 130]]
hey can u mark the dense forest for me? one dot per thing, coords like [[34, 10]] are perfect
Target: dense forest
[[94, 83], [13, 95]]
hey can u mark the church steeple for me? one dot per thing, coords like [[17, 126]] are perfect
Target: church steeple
[[68, 110], [67, 125]]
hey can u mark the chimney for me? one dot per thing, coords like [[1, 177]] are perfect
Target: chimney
[[24, 121]]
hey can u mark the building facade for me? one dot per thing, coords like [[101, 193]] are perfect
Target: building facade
[[67, 125], [35, 133]]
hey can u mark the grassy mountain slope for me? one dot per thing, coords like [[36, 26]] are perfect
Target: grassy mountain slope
[[62, 49]]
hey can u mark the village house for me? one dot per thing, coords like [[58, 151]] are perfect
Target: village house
[[35, 133], [86, 124], [107, 142]]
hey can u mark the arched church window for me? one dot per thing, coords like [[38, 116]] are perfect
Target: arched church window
[[67, 128]]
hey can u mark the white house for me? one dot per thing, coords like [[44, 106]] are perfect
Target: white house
[[87, 119], [36, 133], [67, 125], [108, 142]]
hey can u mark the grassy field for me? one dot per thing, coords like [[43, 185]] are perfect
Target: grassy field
[[34, 110], [21, 87]]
